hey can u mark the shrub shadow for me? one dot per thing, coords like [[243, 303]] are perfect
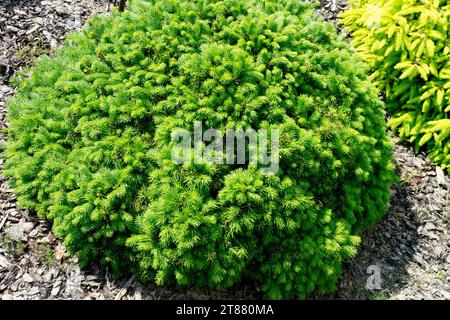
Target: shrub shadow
[[388, 247]]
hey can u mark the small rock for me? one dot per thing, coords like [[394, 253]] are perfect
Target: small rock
[[438, 251], [15, 232], [27, 227], [440, 177], [445, 294], [20, 12], [44, 240], [418, 162], [7, 296], [55, 291], [138, 292], [60, 252], [33, 233], [33, 291], [27, 278], [13, 29], [32, 30], [3, 262], [53, 43], [429, 226], [421, 261]]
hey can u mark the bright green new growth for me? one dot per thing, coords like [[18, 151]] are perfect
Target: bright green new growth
[[407, 45], [90, 144]]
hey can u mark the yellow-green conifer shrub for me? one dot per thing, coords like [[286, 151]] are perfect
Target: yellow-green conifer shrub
[[407, 44], [90, 143]]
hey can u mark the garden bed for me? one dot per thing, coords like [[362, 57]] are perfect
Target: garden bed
[[411, 246]]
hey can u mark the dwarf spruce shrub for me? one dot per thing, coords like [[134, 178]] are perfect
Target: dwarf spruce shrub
[[407, 44], [90, 144]]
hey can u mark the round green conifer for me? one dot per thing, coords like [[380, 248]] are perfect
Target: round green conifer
[[91, 140]]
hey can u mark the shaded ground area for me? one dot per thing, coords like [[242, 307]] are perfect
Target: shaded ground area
[[410, 248]]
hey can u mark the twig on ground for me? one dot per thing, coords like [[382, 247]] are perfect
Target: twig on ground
[[4, 220], [124, 290]]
